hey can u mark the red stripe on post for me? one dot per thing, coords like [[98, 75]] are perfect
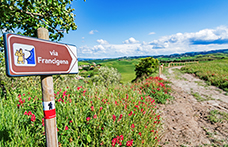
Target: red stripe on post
[[48, 114]]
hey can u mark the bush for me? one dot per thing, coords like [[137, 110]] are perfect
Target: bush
[[146, 67], [107, 76]]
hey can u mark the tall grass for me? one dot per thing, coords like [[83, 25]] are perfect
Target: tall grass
[[87, 115]]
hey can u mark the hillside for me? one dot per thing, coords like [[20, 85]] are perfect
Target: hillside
[[187, 54]]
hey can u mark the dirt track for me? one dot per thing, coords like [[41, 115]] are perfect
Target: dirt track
[[185, 119]]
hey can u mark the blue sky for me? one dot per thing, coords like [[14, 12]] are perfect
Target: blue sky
[[116, 28]]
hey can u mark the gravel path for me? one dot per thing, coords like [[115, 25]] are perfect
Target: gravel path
[[185, 119]]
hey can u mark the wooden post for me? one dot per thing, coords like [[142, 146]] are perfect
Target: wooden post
[[159, 74], [48, 101]]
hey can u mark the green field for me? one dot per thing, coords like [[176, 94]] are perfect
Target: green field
[[125, 67]]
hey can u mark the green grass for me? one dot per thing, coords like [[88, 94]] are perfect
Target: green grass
[[213, 72], [83, 63], [217, 116]]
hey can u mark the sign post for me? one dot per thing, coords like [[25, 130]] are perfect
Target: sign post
[[26, 56], [48, 100]]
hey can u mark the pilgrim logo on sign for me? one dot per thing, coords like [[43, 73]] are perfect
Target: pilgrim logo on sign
[[24, 55]]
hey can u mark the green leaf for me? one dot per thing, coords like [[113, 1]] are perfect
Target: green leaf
[[88, 138]]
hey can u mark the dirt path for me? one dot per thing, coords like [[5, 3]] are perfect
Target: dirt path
[[186, 119]]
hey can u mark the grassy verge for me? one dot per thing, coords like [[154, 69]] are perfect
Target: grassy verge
[[214, 72]]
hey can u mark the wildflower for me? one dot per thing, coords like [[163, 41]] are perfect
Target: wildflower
[[29, 98], [70, 121], [25, 113], [19, 95], [114, 141], [70, 100], [113, 117], [43, 122], [23, 94], [129, 143], [132, 126], [78, 88], [101, 108], [130, 113], [121, 115], [20, 101], [29, 113], [121, 137], [33, 118], [92, 108], [88, 118], [140, 133], [95, 116], [66, 128], [161, 84]]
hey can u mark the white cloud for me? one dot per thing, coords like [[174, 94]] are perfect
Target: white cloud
[[101, 41], [93, 31], [131, 40], [203, 40], [151, 33], [83, 37]]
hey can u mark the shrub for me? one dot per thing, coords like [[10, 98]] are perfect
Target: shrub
[[146, 67], [107, 76]]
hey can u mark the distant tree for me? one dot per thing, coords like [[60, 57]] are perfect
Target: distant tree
[[146, 67], [26, 16]]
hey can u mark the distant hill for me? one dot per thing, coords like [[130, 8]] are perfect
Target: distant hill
[[190, 54]]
